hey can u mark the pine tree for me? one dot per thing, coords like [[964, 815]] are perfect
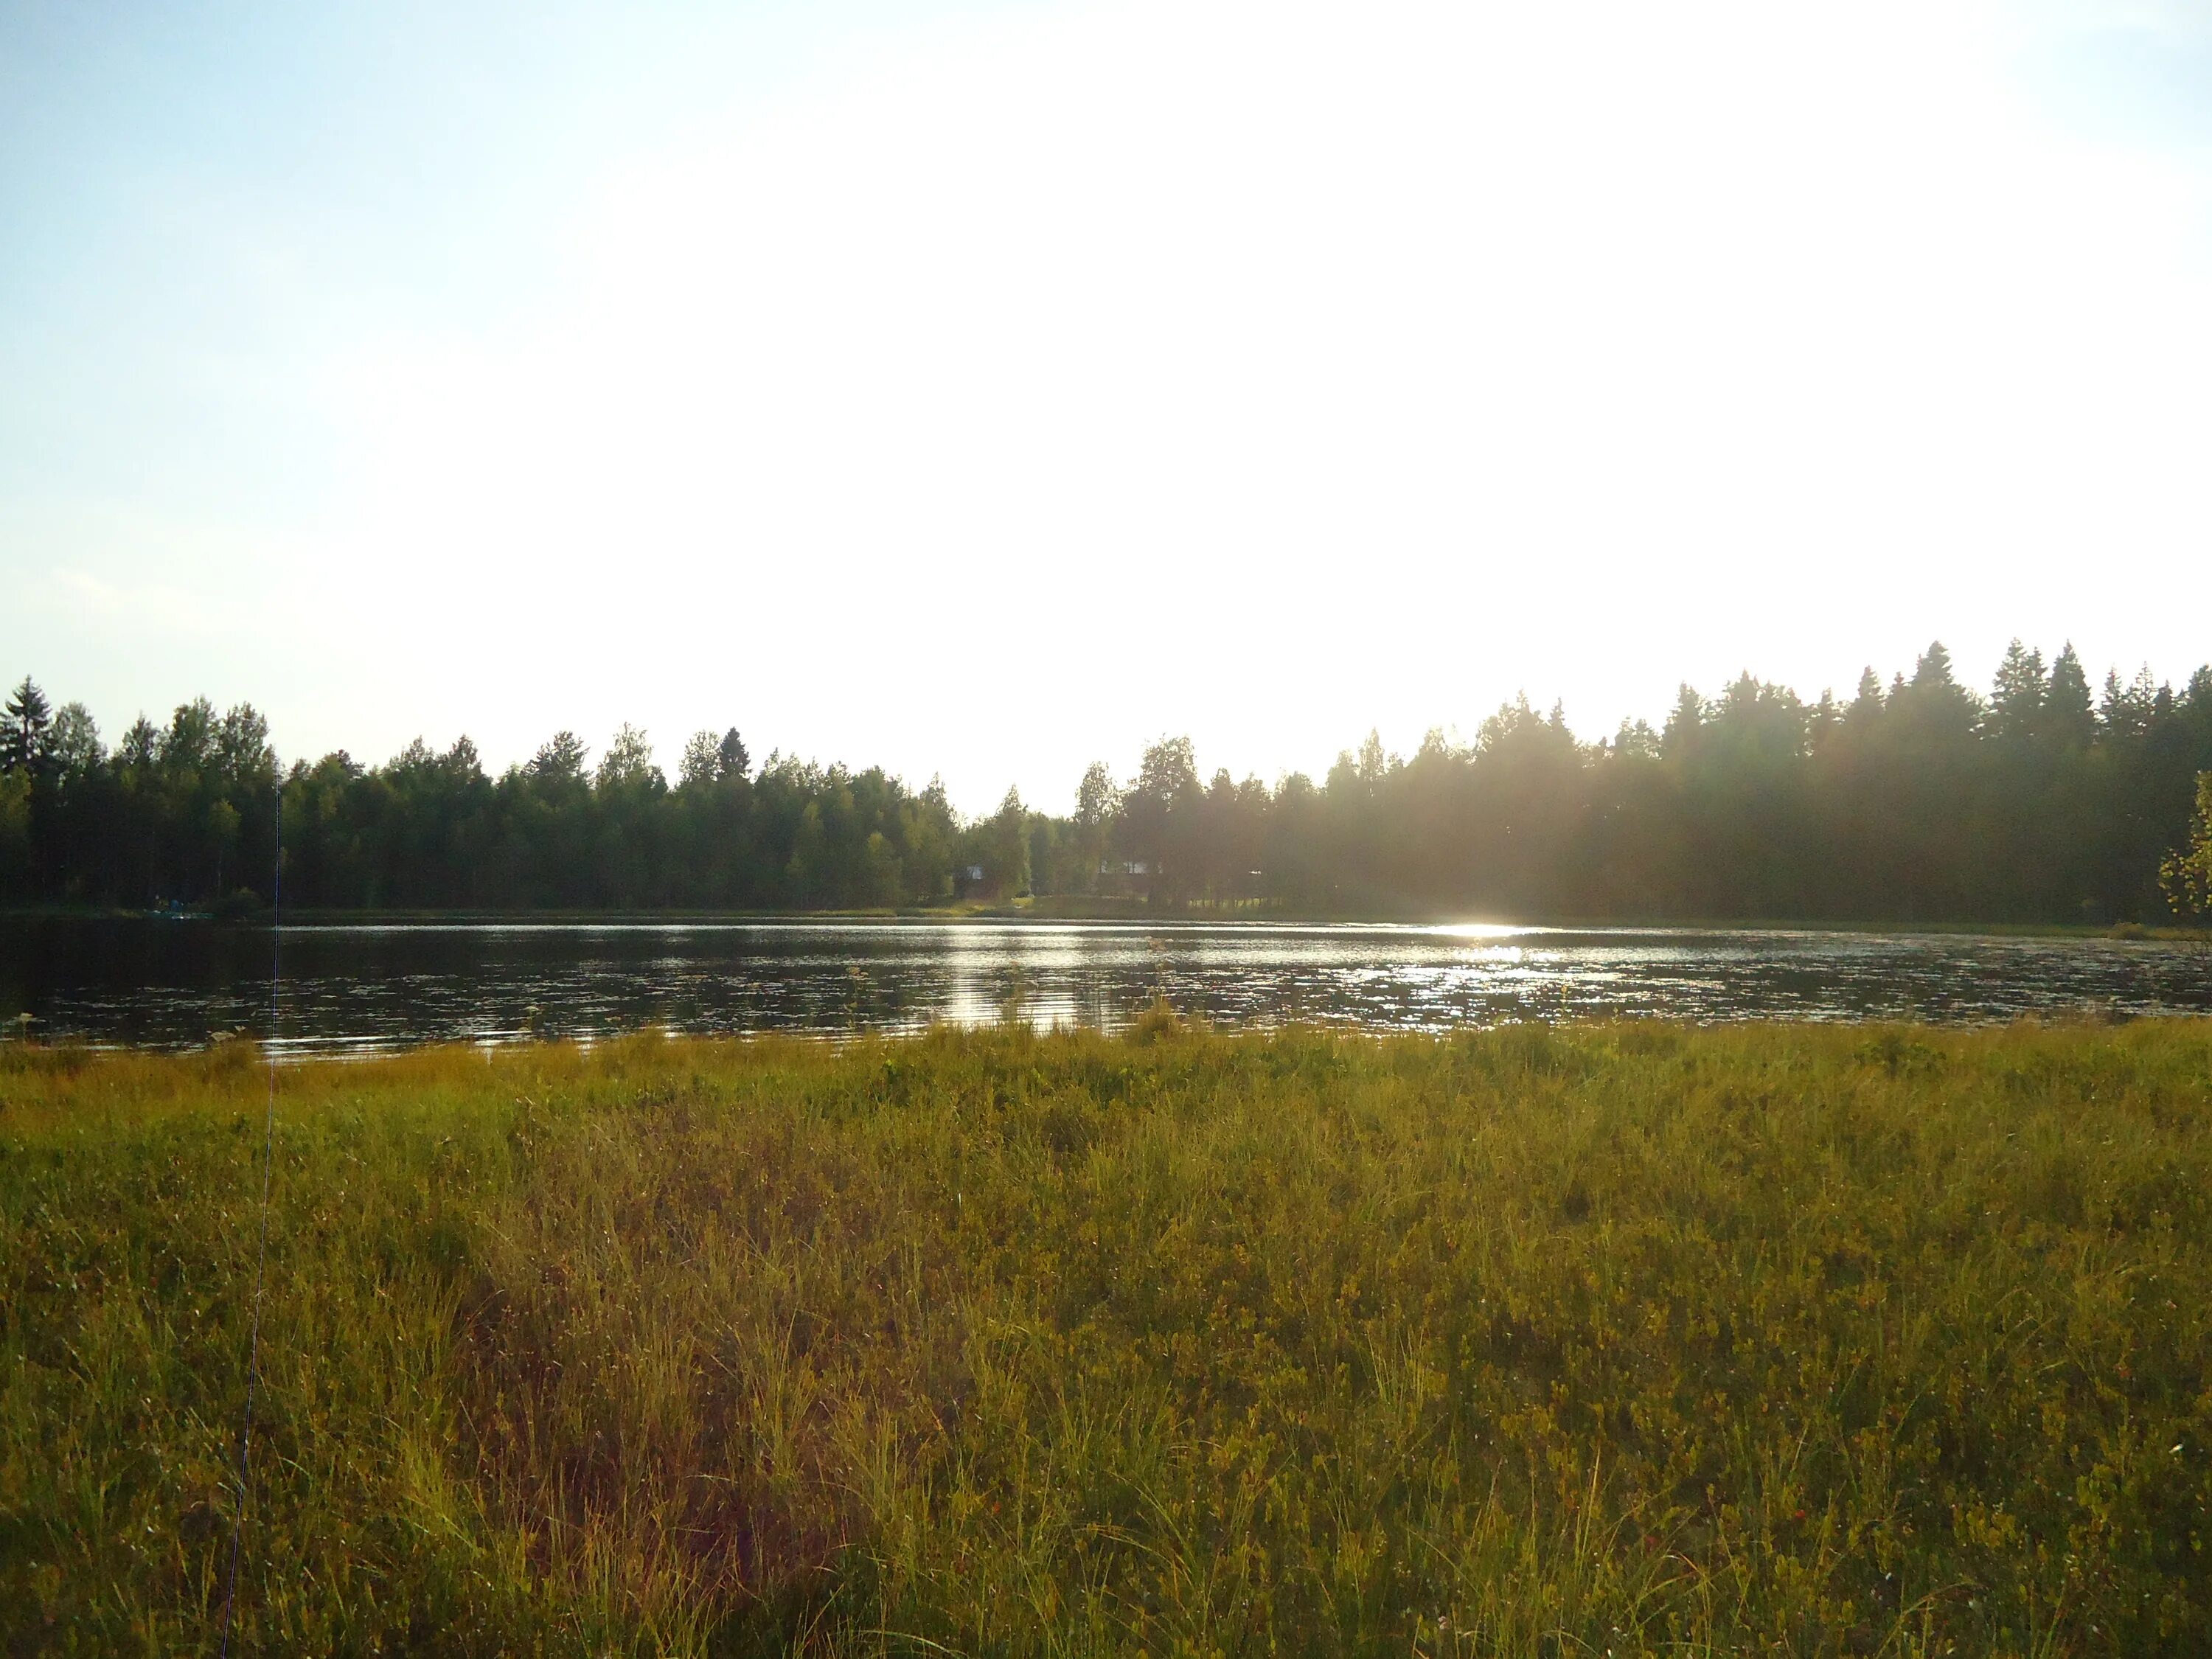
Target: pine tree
[[2068, 721], [2128, 706], [1865, 706], [730, 760], [559, 759], [1685, 722], [23, 740], [2017, 695], [1937, 701]]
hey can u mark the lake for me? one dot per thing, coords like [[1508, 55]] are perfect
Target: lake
[[352, 988]]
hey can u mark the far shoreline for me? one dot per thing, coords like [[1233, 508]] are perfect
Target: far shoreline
[[1054, 911]]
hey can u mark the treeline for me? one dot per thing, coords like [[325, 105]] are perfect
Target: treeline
[[1919, 800]]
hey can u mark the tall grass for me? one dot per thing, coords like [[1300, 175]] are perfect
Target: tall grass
[[1573, 1340]]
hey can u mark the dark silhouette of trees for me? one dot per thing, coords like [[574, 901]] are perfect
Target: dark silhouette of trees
[[1919, 800]]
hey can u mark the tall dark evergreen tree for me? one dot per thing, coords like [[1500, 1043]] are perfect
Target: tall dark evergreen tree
[[23, 736], [2016, 696], [2069, 719], [730, 760]]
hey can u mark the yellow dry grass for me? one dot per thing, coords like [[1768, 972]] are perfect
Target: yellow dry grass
[[1576, 1340]]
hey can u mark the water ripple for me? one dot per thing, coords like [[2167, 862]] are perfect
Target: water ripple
[[348, 989]]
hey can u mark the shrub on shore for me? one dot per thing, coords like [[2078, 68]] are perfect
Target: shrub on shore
[[1570, 1340]]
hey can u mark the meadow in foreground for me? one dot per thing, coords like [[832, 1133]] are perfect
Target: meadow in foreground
[[1581, 1339]]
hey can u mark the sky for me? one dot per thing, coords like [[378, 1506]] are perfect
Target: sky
[[985, 390]]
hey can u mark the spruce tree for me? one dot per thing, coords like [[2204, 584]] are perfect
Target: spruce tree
[[2016, 697], [2069, 719], [730, 760], [29, 719]]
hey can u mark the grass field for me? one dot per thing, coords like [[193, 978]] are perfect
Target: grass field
[[1576, 1340]]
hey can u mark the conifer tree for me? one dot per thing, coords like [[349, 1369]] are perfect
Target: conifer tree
[[23, 738], [730, 760], [2068, 721], [2016, 696]]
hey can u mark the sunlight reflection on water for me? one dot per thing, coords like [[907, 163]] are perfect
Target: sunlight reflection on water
[[351, 988]]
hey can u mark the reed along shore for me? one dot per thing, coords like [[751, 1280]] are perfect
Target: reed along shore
[[1578, 1339]]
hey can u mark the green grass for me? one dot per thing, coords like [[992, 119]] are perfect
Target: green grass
[[1572, 1340]]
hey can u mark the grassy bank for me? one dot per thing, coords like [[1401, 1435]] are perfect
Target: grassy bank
[[1576, 1340]]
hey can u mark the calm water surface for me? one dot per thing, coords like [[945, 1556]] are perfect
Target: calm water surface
[[352, 987]]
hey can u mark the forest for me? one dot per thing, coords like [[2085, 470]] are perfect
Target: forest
[[1918, 801]]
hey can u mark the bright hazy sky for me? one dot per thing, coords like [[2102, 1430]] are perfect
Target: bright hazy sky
[[990, 389]]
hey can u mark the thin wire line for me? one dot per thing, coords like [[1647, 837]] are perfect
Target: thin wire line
[[261, 1258]]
